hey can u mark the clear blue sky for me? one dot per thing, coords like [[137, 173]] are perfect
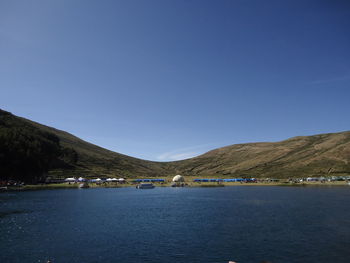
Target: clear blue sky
[[165, 80]]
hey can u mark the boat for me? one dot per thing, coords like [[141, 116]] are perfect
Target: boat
[[84, 185], [3, 188], [145, 186]]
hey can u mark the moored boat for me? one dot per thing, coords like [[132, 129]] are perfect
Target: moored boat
[[145, 186], [84, 185]]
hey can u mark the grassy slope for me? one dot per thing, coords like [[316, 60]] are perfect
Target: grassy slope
[[97, 161], [299, 156], [308, 155]]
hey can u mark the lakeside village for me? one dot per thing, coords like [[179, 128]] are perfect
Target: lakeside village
[[176, 181]]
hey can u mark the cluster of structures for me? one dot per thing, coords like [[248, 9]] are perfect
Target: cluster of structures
[[323, 179], [4, 183], [97, 180], [217, 180], [179, 180]]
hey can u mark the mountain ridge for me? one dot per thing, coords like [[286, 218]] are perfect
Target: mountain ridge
[[299, 156]]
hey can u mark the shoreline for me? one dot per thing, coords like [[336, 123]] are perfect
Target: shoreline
[[36, 187]]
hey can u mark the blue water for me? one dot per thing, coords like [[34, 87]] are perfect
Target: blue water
[[183, 225]]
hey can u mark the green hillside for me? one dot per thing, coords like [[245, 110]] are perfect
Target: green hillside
[[30, 151]]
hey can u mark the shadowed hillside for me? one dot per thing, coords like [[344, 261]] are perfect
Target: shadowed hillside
[[31, 151], [97, 161], [299, 156], [73, 156]]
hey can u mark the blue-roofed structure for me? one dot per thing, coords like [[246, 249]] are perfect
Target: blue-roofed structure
[[233, 180], [137, 180], [158, 180], [204, 180]]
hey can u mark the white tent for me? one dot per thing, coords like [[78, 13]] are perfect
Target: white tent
[[109, 180], [178, 178], [121, 180], [72, 179]]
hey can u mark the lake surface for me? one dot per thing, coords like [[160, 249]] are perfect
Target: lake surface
[[183, 225]]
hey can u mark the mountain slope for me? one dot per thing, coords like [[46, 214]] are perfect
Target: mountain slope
[[42, 150], [75, 158], [299, 156], [97, 161]]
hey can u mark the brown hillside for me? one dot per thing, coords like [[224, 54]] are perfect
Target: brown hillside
[[299, 156], [323, 154]]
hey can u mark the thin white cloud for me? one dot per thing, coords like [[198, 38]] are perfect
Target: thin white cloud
[[176, 156], [184, 153]]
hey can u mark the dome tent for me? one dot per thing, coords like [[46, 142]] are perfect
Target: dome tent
[[178, 178], [70, 180]]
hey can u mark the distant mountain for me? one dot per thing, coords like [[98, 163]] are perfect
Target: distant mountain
[[30, 151], [323, 154]]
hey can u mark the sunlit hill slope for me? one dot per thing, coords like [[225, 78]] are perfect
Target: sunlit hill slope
[[322, 154], [30, 151]]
